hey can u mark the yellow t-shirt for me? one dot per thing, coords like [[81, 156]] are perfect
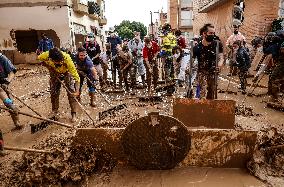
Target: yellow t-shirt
[[169, 42], [66, 66]]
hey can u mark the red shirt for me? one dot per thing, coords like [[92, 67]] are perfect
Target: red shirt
[[181, 42], [150, 52]]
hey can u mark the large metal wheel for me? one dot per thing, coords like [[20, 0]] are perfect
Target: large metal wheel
[[156, 142]]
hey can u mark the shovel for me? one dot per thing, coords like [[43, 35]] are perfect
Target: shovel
[[112, 109], [81, 106]]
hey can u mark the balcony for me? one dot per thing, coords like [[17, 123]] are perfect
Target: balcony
[[207, 5], [102, 21], [80, 7]]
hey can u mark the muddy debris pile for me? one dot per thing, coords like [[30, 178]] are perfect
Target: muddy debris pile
[[119, 119], [64, 164], [242, 110], [268, 159]]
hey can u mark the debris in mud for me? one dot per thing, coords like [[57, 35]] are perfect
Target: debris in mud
[[119, 119], [40, 93], [242, 110], [65, 164], [268, 159]]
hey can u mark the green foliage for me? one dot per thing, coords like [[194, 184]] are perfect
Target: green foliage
[[126, 28], [276, 24]]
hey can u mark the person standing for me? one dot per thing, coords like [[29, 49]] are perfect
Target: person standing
[[125, 61], [236, 36], [45, 44], [7, 73], [114, 41], [205, 53], [94, 50], [150, 53], [242, 62], [136, 48], [168, 43], [85, 67], [61, 68]]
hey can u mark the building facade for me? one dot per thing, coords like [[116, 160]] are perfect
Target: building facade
[[180, 15], [66, 22], [256, 17]]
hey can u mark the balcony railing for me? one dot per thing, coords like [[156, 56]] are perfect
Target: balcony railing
[[102, 21], [207, 5], [79, 7]]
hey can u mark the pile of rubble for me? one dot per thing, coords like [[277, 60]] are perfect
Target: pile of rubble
[[242, 110], [65, 163], [119, 119], [268, 159]]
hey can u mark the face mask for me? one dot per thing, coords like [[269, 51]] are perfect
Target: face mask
[[236, 32], [210, 38]]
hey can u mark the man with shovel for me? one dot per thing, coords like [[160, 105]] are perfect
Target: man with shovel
[[86, 68], [7, 73], [150, 53], [61, 68], [205, 53]]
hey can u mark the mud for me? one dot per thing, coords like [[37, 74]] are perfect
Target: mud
[[242, 110], [66, 163], [31, 85], [268, 159]]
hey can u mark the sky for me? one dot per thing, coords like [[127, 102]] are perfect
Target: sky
[[133, 10]]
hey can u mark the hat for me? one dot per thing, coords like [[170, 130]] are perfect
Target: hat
[[111, 29]]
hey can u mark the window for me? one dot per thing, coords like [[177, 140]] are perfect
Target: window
[[186, 18], [281, 9], [186, 3]]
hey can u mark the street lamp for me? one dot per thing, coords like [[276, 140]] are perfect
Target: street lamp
[[152, 24]]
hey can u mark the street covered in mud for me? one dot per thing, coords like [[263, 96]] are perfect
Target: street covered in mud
[[98, 95]]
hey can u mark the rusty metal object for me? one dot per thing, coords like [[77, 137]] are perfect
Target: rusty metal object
[[104, 139], [221, 148], [218, 114], [209, 147], [155, 142]]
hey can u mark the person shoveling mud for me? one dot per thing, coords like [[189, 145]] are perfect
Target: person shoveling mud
[[66, 162], [7, 73]]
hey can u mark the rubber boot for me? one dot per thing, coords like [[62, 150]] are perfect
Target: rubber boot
[[14, 115], [92, 99], [143, 81]]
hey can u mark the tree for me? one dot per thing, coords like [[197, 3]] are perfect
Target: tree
[[126, 28]]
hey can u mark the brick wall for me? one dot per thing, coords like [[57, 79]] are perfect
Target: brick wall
[[173, 13], [258, 15]]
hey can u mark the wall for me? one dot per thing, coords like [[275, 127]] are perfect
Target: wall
[[86, 21], [258, 18], [37, 18]]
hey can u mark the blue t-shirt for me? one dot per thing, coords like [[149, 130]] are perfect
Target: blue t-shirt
[[114, 41], [6, 67], [45, 45]]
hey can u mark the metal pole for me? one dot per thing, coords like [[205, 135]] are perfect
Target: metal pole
[[152, 28]]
